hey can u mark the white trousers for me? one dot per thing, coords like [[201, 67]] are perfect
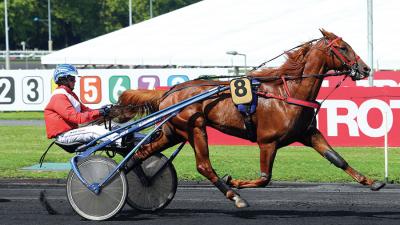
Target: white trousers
[[87, 134]]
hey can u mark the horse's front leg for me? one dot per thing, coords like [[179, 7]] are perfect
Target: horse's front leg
[[197, 138], [316, 140], [267, 157]]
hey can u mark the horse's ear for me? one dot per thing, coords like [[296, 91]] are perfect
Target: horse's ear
[[327, 34]]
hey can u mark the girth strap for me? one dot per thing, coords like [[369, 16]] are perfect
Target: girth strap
[[251, 129], [247, 111]]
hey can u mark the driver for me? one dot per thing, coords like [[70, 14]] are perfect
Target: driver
[[64, 113]]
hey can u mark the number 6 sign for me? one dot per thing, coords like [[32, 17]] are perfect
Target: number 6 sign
[[117, 85], [90, 89]]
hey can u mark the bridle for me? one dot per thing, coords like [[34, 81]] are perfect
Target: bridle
[[350, 64]]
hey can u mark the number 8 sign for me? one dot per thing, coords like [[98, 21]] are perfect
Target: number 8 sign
[[241, 91], [90, 89]]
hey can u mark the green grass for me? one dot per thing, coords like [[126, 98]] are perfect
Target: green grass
[[21, 115], [23, 145]]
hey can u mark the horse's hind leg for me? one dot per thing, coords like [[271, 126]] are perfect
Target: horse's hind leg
[[316, 140], [267, 157]]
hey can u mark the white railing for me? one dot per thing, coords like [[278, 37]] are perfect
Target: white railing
[[20, 54]]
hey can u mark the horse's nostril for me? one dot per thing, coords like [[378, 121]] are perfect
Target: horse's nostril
[[367, 69]]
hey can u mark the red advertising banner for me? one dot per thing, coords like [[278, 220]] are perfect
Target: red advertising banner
[[353, 115]]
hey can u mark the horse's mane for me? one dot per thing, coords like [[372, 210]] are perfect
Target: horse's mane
[[141, 101], [293, 66]]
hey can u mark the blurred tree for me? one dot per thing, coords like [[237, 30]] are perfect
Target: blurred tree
[[74, 21], [20, 23]]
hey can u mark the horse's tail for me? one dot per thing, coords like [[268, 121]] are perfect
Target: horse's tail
[[138, 102]]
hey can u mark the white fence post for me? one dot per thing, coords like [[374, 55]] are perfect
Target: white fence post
[[386, 147]]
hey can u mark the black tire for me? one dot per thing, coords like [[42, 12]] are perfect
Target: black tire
[[159, 193], [112, 196]]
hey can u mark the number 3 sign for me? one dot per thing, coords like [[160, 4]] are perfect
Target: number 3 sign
[[32, 90]]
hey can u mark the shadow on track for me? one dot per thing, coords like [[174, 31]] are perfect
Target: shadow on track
[[132, 215]]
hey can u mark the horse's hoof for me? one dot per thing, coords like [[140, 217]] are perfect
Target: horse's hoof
[[227, 179], [376, 186], [240, 202]]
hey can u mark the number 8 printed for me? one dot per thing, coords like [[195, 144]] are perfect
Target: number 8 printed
[[240, 89]]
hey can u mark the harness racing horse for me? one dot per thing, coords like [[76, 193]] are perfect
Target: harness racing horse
[[277, 121]]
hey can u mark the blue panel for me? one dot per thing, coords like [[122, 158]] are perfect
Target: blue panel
[[49, 167]]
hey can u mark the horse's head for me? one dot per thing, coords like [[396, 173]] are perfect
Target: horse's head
[[341, 56]]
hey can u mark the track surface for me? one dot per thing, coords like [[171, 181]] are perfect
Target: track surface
[[281, 203]]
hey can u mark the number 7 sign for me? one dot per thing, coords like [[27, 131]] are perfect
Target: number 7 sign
[[149, 82]]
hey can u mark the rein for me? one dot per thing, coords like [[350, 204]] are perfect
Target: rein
[[312, 104], [263, 94]]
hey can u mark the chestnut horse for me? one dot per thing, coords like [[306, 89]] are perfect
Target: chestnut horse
[[277, 123]]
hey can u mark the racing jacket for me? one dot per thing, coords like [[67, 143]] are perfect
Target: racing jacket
[[65, 112]]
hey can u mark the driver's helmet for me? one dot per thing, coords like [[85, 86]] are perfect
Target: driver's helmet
[[64, 70]]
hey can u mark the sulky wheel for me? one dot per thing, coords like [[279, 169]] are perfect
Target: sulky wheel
[[150, 193], [112, 195]]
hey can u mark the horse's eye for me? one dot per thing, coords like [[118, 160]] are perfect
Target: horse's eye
[[343, 48]]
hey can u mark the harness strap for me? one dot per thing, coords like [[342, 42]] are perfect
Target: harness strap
[[310, 104], [45, 153], [290, 100], [285, 86]]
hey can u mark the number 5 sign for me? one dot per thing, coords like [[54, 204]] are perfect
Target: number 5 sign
[[90, 89]]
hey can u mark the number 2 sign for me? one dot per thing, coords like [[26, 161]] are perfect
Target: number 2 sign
[[90, 89], [7, 91]]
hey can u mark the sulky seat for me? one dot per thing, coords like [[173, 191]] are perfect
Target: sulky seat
[[70, 147]]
